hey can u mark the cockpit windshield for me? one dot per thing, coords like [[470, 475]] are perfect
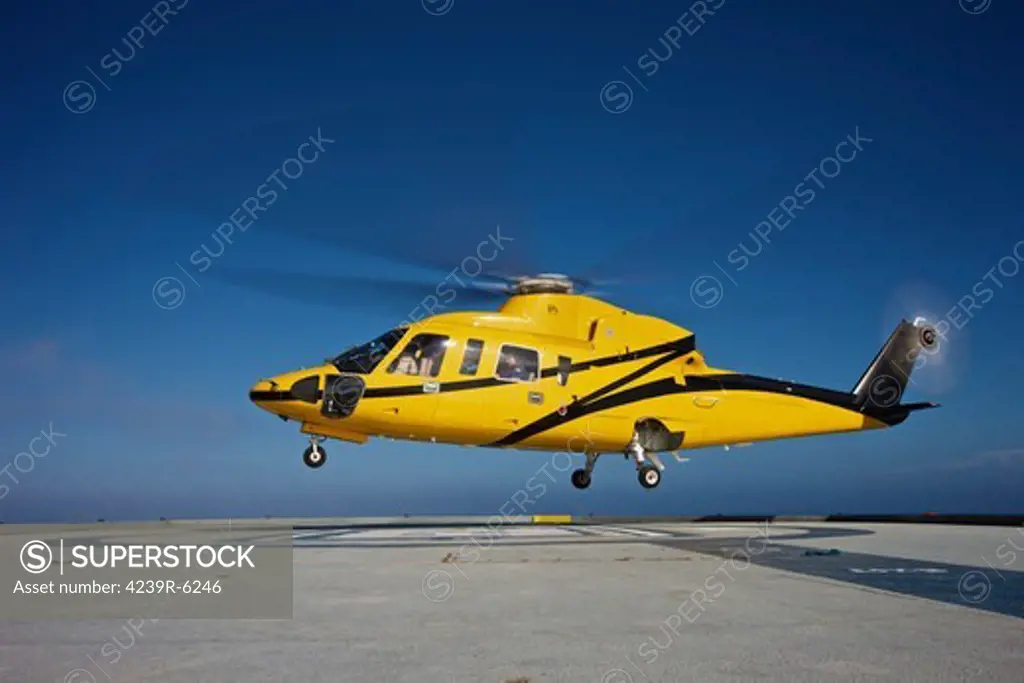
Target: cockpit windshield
[[364, 358]]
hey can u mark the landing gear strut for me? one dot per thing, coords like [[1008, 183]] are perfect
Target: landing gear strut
[[648, 465], [315, 456], [581, 478]]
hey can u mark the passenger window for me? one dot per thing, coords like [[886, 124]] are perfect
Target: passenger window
[[517, 364], [422, 356], [471, 358]]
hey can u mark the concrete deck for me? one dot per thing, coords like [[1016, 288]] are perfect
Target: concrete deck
[[608, 603]]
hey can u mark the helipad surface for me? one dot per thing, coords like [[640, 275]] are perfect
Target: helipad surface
[[611, 603]]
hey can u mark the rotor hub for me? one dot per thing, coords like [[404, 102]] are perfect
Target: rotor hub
[[545, 283]]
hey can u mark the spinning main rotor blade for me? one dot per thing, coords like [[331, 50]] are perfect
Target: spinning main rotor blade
[[468, 239], [353, 291], [659, 254], [463, 239]]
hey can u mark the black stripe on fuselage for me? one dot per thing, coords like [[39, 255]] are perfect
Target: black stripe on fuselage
[[694, 384], [584, 406], [285, 396], [275, 396], [605, 397], [417, 389], [684, 345], [890, 415], [661, 387]]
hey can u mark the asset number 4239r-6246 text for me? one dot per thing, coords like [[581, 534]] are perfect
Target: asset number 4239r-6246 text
[[145, 586]]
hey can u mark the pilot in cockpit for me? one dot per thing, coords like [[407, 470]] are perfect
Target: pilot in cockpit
[[407, 363]]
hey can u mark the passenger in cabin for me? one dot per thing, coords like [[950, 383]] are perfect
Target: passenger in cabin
[[510, 368]]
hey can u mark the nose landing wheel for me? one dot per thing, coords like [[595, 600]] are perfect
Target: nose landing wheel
[[581, 478], [314, 456], [649, 476]]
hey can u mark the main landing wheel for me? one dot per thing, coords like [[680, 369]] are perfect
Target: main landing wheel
[[581, 479], [649, 476], [315, 456]]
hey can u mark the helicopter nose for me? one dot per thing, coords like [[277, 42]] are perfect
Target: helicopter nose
[[302, 386], [264, 390]]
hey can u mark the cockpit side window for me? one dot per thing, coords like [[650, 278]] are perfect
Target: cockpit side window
[[422, 357]]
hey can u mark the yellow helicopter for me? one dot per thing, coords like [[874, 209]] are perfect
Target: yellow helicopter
[[554, 369]]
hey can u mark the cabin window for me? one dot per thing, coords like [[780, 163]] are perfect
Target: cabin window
[[422, 356], [517, 364], [471, 358]]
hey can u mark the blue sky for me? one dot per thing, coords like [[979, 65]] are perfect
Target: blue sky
[[471, 114]]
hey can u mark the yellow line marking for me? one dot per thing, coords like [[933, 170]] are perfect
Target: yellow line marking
[[552, 519]]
